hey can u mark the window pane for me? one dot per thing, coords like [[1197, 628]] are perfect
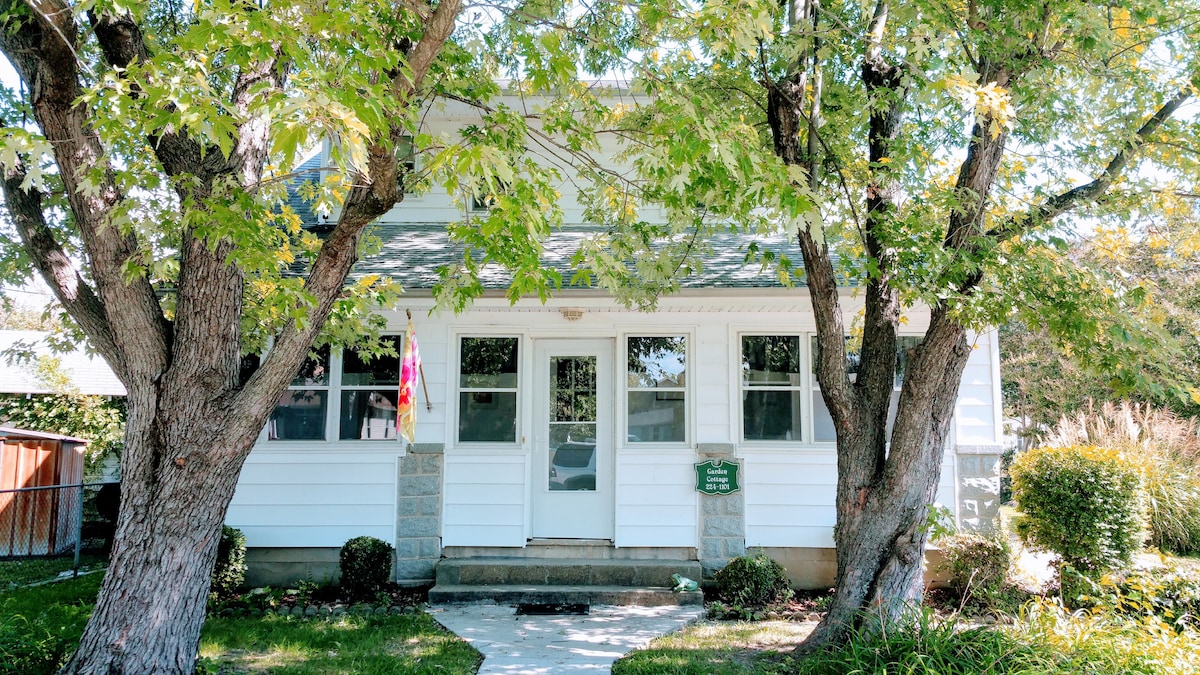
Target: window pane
[[903, 344], [656, 416], [488, 363], [657, 361], [823, 431], [315, 371], [487, 416], [573, 388], [853, 356], [771, 415], [368, 415], [360, 369], [771, 359], [300, 416], [573, 457]]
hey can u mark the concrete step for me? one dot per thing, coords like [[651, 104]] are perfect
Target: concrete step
[[592, 549], [563, 572], [449, 594]]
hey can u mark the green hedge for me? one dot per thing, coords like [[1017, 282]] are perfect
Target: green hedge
[[1081, 502]]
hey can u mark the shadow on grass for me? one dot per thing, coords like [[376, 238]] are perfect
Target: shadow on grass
[[41, 626], [411, 643]]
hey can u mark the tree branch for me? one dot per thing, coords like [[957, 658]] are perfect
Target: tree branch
[[40, 46], [56, 268], [1065, 201]]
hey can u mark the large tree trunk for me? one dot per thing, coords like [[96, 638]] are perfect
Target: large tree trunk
[[174, 497], [881, 535]]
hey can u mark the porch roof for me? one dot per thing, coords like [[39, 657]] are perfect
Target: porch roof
[[413, 253]]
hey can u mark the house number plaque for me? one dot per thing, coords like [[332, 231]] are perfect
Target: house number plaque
[[717, 477]]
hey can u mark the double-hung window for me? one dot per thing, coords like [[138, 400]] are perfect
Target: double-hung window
[[656, 385], [772, 396], [487, 389], [360, 389]]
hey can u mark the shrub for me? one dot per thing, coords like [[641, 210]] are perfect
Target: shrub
[[1082, 502], [978, 569], [365, 564], [229, 572], [1170, 594], [753, 581], [1166, 450]]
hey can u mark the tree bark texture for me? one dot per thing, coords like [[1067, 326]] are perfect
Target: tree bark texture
[[191, 423]]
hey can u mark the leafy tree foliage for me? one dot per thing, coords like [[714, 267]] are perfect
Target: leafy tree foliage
[[930, 154]]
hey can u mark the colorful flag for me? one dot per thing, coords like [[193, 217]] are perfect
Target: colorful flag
[[410, 368]]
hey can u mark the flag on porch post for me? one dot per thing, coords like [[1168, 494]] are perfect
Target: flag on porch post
[[410, 367]]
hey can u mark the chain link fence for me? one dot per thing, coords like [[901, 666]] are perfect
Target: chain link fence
[[56, 530]]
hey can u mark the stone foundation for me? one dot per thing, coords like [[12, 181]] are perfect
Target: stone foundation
[[722, 517], [284, 566], [419, 514]]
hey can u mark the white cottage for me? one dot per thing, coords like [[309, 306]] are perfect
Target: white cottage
[[573, 428]]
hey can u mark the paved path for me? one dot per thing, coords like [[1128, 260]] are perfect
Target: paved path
[[544, 645]]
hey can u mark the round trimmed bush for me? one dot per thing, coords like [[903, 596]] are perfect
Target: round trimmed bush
[[229, 571], [1082, 502], [753, 581], [365, 564]]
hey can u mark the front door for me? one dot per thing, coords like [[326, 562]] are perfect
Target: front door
[[573, 440]]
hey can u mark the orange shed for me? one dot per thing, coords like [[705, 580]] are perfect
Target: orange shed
[[37, 521]]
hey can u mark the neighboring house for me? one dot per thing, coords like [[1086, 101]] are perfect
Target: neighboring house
[[88, 373], [577, 420]]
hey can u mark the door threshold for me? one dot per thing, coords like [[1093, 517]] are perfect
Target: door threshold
[[565, 541]]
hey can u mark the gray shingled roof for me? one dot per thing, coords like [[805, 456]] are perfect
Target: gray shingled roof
[[412, 253]]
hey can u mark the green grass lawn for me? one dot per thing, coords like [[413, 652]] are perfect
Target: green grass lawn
[[719, 648], [31, 570], [40, 626]]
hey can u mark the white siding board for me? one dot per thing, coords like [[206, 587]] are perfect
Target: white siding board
[[484, 499], [798, 536], [655, 499], [315, 497], [308, 536], [316, 494]]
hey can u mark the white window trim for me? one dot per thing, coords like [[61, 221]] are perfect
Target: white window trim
[[689, 396], [454, 389], [803, 388], [333, 405]]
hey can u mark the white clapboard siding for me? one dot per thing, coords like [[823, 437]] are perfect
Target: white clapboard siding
[[790, 496], [709, 371], [976, 417], [484, 502], [656, 498], [315, 498]]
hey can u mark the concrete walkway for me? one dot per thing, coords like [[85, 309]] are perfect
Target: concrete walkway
[[543, 645]]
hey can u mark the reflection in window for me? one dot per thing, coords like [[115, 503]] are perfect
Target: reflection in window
[[368, 411], [300, 415], [656, 377], [771, 388], [572, 423], [487, 398]]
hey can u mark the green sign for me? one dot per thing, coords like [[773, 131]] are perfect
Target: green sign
[[717, 477]]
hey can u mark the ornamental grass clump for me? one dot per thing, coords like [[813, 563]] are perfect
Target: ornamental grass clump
[[1082, 502]]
